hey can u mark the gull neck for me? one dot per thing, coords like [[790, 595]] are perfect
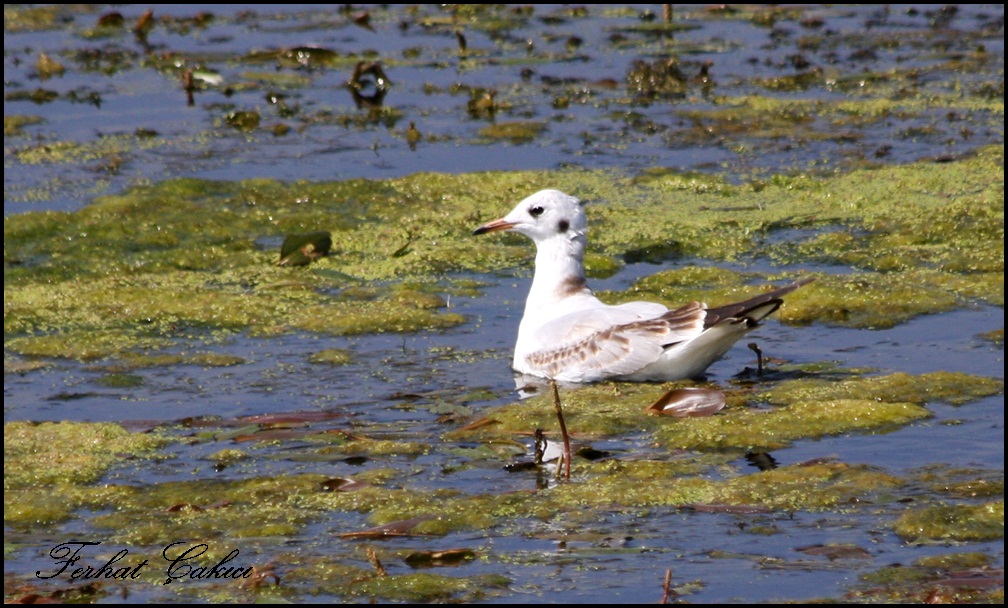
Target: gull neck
[[559, 271]]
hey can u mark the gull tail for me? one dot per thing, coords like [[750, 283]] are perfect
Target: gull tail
[[755, 309]]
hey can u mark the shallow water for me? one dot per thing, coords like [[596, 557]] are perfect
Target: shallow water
[[330, 139], [398, 382]]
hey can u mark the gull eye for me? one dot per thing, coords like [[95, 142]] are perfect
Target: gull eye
[[536, 211]]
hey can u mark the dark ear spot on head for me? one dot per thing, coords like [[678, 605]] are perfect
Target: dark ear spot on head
[[563, 225]]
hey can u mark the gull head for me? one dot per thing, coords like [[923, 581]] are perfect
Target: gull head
[[543, 216]]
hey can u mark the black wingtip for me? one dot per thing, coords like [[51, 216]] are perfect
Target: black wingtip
[[754, 310]]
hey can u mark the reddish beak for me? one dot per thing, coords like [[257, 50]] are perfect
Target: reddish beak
[[494, 226]]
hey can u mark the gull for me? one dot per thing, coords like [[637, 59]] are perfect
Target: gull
[[569, 335]]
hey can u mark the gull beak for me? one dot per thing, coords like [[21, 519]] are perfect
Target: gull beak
[[494, 226]]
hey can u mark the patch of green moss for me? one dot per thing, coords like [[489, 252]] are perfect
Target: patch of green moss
[[749, 429], [48, 466], [808, 408], [942, 523], [421, 587], [325, 576], [113, 316], [954, 561], [516, 132], [133, 266], [227, 456], [68, 452], [881, 301], [814, 486], [140, 360], [331, 356], [106, 148], [120, 380], [437, 512], [950, 387], [276, 78], [83, 345], [378, 447], [27, 508], [774, 117], [14, 125], [25, 18], [996, 336], [972, 488], [811, 487], [934, 579], [481, 17], [162, 513], [366, 500], [601, 266]]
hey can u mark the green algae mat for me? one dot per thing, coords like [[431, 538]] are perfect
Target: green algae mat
[[141, 280], [290, 383], [186, 257]]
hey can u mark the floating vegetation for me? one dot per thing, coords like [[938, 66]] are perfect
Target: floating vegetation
[[943, 523], [946, 578], [49, 466], [14, 125], [68, 452], [331, 356], [514, 132], [302, 249], [355, 467], [162, 272], [244, 120]]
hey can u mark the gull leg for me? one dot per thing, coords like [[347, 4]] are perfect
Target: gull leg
[[563, 429], [759, 357]]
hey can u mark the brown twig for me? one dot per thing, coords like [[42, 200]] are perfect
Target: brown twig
[[667, 587], [188, 86], [373, 558]]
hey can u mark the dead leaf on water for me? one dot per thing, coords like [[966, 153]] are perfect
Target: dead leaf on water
[[342, 484], [836, 551], [448, 557], [292, 417], [476, 424], [688, 402], [395, 528]]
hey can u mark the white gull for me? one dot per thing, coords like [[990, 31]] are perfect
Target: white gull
[[569, 335]]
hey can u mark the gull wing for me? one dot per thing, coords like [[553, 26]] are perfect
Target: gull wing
[[588, 345]]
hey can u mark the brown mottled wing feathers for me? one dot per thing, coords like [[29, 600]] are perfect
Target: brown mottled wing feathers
[[628, 347], [624, 348]]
